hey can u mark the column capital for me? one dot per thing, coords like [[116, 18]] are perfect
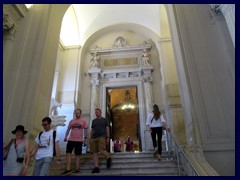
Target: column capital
[[12, 14], [216, 9], [94, 73], [147, 79], [94, 82], [8, 24]]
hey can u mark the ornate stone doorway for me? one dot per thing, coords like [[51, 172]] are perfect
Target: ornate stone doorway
[[122, 112], [123, 66]]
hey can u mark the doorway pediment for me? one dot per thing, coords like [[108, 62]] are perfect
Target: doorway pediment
[[121, 60]]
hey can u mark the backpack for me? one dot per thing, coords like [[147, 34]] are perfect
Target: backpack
[[54, 137]]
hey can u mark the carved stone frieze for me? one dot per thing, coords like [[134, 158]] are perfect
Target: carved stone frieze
[[8, 24], [135, 74], [12, 14], [108, 75], [216, 9], [121, 62], [122, 75]]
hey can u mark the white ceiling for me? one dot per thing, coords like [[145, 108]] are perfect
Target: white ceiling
[[83, 20]]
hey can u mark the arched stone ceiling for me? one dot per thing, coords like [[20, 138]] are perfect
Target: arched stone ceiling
[[90, 18]]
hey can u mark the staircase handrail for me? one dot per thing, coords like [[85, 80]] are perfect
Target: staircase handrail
[[195, 172]]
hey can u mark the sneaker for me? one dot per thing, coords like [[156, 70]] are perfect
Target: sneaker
[[109, 162], [155, 152], [95, 170], [77, 171], [67, 172]]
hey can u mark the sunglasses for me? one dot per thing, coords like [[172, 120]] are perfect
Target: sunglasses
[[44, 124]]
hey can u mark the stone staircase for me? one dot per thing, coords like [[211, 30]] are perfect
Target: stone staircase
[[123, 164]]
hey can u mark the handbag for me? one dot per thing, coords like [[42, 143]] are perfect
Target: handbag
[[6, 150]]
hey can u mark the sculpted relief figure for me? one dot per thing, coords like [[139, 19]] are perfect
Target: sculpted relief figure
[[146, 57], [94, 61], [120, 42], [57, 120], [53, 106]]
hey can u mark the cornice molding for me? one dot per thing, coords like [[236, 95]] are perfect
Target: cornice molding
[[12, 14], [122, 62], [216, 9]]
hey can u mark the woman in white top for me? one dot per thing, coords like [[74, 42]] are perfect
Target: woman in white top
[[155, 124]]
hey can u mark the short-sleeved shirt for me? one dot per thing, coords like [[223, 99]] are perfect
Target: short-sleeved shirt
[[99, 127], [77, 127], [46, 141]]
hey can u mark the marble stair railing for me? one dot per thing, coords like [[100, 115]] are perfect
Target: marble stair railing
[[190, 159]]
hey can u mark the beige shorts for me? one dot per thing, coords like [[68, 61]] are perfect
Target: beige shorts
[[98, 145]]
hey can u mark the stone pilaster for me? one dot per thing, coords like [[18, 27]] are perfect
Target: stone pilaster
[[149, 101], [147, 80], [94, 74]]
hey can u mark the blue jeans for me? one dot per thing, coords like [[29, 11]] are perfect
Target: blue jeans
[[41, 166]]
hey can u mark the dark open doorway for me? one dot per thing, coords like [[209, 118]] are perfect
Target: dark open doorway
[[123, 114]]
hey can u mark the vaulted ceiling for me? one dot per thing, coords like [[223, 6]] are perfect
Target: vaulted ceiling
[[83, 20]]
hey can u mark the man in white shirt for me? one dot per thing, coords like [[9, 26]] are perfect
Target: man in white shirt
[[44, 146]]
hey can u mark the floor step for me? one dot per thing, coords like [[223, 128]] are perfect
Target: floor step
[[123, 164]]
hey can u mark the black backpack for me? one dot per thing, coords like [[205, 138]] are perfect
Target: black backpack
[[54, 137]]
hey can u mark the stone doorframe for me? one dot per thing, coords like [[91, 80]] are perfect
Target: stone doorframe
[[122, 65], [141, 104]]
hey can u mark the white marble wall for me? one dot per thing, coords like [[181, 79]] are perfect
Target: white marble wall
[[30, 68], [174, 113], [204, 55]]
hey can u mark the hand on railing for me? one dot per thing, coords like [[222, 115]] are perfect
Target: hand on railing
[[167, 129]]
